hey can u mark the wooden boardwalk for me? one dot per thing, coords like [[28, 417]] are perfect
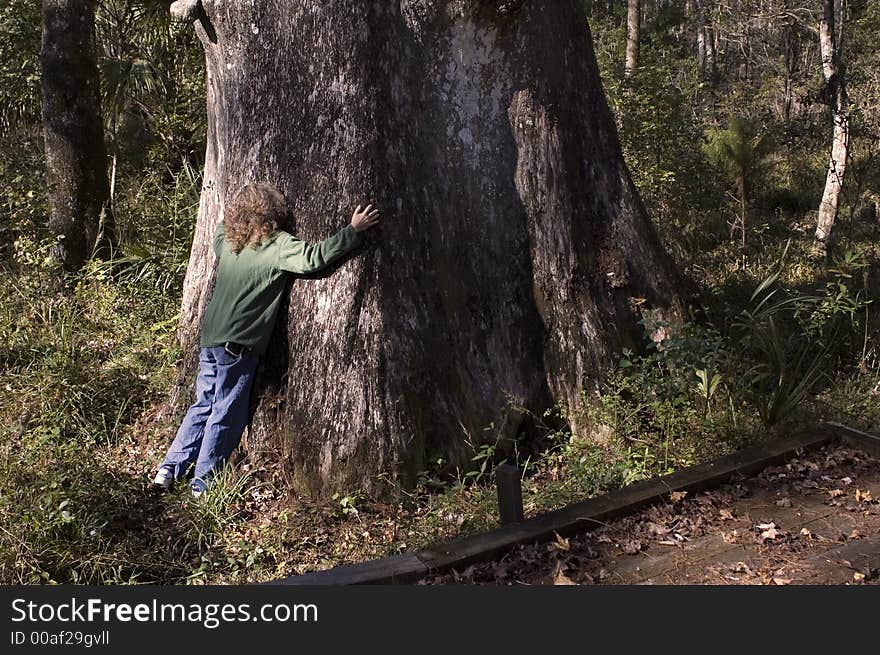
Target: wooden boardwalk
[[586, 515]]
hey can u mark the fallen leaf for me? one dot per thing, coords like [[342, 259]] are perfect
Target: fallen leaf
[[858, 577], [863, 496], [561, 542], [632, 547], [726, 515], [657, 529], [781, 581], [806, 533], [770, 534], [562, 579], [846, 481], [834, 493], [730, 537], [676, 496], [855, 534], [768, 531]]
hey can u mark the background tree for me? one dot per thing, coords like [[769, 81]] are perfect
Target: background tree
[[633, 25], [515, 258], [152, 98], [831, 29], [73, 132], [705, 40], [740, 150]]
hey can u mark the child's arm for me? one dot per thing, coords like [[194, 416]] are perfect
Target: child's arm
[[219, 233], [298, 256]]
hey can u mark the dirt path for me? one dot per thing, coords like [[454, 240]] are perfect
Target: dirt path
[[814, 520]]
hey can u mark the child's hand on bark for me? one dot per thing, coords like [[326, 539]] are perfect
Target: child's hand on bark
[[364, 219]]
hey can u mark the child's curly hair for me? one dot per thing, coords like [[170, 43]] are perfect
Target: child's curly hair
[[254, 215]]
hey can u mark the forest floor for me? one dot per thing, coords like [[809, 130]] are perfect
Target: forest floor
[[814, 520]]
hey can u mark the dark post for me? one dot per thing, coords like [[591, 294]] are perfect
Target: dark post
[[508, 480]]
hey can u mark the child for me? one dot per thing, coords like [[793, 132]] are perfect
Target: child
[[254, 257]]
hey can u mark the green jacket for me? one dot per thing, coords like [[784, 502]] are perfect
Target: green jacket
[[250, 284]]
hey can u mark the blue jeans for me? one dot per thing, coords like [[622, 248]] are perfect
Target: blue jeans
[[213, 425]]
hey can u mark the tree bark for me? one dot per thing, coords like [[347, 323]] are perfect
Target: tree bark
[[76, 159], [633, 27], [831, 47], [705, 43], [515, 258]]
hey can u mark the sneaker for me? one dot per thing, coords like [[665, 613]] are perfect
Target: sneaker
[[198, 487], [164, 478]]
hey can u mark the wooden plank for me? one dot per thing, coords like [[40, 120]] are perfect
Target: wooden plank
[[586, 515], [396, 569], [710, 549], [837, 566], [576, 518], [870, 443]]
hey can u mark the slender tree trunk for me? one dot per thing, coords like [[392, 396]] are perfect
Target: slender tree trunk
[[515, 258], [745, 67], [705, 42], [76, 160], [633, 27], [701, 49], [789, 48], [831, 46], [787, 97], [714, 46], [743, 190]]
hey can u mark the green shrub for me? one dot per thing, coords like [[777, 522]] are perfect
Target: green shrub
[[667, 405], [792, 341]]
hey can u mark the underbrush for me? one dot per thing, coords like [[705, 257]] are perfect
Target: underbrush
[[783, 344], [78, 369], [83, 357], [86, 367]]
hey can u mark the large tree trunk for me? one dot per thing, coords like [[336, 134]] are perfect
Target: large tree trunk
[[830, 44], [515, 258], [76, 159], [633, 27]]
